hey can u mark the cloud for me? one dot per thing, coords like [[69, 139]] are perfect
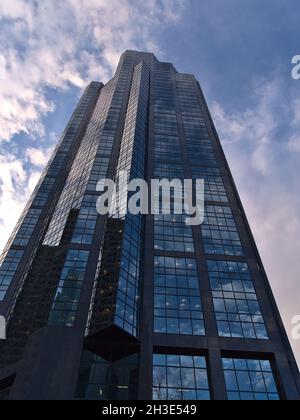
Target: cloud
[[296, 113], [294, 143], [256, 127], [51, 44], [59, 45], [268, 180], [14, 192], [38, 157]]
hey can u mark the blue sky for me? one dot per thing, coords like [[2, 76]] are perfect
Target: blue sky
[[240, 50]]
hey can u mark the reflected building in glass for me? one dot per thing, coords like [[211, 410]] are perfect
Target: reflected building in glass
[[139, 307]]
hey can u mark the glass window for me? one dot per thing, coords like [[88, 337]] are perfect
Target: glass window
[[177, 302], [129, 278], [168, 170], [27, 227], [8, 269], [213, 183], [198, 142], [101, 379], [180, 377], [98, 172], [132, 152], [68, 294], [249, 380], [219, 232], [237, 309], [85, 224], [172, 234]]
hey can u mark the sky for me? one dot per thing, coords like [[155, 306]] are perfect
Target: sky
[[241, 53]]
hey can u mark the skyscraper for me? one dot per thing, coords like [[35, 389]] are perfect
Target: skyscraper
[[140, 306]]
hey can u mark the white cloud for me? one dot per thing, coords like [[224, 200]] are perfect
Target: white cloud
[[38, 157], [33, 180], [255, 127], [14, 193], [18, 9], [16, 186], [296, 112], [58, 44], [294, 143]]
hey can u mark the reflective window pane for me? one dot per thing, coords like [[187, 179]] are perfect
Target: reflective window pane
[[249, 380], [181, 378]]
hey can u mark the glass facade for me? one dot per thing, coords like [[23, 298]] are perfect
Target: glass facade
[[177, 302], [132, 161], [85, 166], [26, 228], [180, 377], [250, 380]]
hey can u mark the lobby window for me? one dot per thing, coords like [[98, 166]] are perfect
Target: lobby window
[[249, 380], [237, 309], [68, 294], [177, 302], [101, 379], [180, 377]]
